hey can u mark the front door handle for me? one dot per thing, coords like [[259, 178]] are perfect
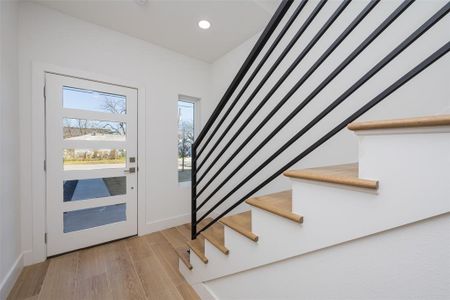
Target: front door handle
[[130, 170]]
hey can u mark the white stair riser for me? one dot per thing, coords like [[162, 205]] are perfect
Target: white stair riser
[[418, 161], [335, 214], [220, 264]]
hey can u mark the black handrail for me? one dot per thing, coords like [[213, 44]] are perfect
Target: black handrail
[[372, 72]]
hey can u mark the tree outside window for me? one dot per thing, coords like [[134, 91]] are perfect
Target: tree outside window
[[185, 139]]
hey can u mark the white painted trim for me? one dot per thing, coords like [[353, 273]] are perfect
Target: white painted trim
[[168, 223], [11, 277], [38, 181], [204, 292], [164, 224]]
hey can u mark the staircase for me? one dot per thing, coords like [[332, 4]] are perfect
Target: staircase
[[278, 110], [401, 178]]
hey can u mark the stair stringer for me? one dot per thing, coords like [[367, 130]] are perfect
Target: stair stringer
[[335, 214]]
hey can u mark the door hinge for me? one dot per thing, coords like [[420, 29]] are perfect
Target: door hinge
[[45, 165], [45, 237]]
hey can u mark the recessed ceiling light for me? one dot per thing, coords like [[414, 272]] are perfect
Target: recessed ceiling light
[[204, 24]]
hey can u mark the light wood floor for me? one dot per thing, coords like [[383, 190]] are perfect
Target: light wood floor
[[135, 268]]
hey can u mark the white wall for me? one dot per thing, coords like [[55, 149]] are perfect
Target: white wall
[[10, 261], [410, 262], [426, 94], [51, 37], [48, 36]]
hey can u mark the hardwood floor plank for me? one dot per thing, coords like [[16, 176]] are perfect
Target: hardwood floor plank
[[155, 238], [185, 231], [60, 281], [30, 281], [122, 277], [179, 243], [187, 292], [92, 262], [94, 288], [92, 275], [135, 268], [169, 259], [154, 278]]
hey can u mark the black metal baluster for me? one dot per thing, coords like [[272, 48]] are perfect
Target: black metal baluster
[[255, 72], [193, 192], [266, 77], [394, 53], [313, 68], [270, 28], [392, 88]]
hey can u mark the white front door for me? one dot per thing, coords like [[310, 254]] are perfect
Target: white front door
[[91, 162]]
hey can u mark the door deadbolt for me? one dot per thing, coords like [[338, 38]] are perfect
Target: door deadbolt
[[131, 170]]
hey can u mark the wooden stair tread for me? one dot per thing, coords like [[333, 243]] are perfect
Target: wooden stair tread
[[178, 242], [216, 236], [241, 223], [198, 246], [184, 255], [346, 174], [277, 203], [429, 121]]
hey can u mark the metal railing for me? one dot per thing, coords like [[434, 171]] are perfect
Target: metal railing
[[220, 115]]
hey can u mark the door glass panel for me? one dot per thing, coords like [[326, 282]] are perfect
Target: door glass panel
[[94, 101], [90, 159], [93, 217], [92, 130], [83, 189]]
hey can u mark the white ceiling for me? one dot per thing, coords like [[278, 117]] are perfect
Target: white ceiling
[[173, 23]]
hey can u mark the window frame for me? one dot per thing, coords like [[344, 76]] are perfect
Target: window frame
[[196, 105]]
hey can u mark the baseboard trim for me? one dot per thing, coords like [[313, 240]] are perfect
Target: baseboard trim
[[204, 292], [164, 224], [29, 259], [11, 277], [168, 223]]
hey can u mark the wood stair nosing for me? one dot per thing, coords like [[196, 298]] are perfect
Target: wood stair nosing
[[341, 174], [277, 203], [199, 249], [240, 223], [184, 256], [216, 243], [428, 121], [178, 242]]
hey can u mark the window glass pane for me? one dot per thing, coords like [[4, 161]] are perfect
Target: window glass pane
[[185, 139], [92, 130], [83, 189], [94, 217], [95, 101], [90, 159]]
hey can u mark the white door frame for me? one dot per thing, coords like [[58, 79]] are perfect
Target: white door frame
[[38, 176]]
